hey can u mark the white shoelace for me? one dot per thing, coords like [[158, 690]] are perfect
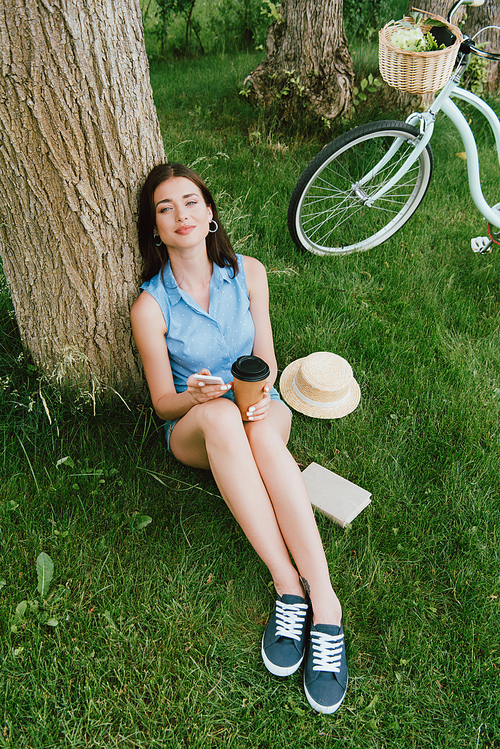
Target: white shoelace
[[290, 619], [327, 651]]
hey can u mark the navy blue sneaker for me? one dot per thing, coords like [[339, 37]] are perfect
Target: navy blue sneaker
[[284, 639], [325, 671]]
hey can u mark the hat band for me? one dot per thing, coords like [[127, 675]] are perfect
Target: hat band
[[317, 404]]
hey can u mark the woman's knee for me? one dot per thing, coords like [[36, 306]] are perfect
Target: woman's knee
[[219, 417], [275, 427], [204, 426]]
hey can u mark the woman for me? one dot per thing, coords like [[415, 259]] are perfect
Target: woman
[[201, 307]]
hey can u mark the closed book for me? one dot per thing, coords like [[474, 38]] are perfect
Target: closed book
[[333, 495]]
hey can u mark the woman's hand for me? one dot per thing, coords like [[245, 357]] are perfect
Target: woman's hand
[[259, 411], [201, 392]]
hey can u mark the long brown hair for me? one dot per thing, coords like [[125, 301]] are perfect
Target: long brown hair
[[219, 248]]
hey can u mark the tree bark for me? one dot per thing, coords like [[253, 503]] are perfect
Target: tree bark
[[308, 67], [78, 133], [477, 18]]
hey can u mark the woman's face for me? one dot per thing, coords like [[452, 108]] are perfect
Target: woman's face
[[182, 216]]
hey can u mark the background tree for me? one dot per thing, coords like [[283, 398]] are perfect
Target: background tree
[[477, 18], [166, 11], [308, 67], [78, 132]]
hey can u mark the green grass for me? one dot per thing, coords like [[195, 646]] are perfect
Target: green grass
[[157, 642]]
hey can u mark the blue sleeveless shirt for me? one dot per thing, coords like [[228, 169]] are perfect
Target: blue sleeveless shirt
[[197, 339]]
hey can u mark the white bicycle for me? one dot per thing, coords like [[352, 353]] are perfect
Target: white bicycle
[[365, 185]]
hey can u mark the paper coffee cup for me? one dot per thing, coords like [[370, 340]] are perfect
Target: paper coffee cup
[[250, 375]]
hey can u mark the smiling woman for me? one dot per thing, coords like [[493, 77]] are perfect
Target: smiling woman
[[154, 251], [181, 212], [202, 307]]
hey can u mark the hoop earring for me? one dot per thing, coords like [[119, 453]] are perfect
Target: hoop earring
[[155, 237], [212, 231]]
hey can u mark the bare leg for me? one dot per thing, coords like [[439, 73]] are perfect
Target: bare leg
[[212, 436], [286, 489], [262, 486]]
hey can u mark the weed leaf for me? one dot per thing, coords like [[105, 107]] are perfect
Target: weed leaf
[[20, 612], [45, 572], [67, 461], [141, 521], [19, 616]]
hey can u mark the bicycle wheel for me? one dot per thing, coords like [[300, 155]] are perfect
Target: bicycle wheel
[[328, 212]]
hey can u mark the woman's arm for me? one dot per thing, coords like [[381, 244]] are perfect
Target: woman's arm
[[149, 329], [258, 291]]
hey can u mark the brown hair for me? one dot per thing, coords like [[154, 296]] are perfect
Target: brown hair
[[219, 248]]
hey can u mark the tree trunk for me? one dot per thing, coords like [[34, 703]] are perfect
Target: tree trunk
[[477, 17], [79, 132], [308, 66]]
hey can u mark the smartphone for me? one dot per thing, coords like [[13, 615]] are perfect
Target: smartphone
[[208, 379]]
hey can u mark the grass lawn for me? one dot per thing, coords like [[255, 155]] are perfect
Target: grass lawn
[[148, 632]]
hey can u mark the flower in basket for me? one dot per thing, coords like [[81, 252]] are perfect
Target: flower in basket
[[414, 35]]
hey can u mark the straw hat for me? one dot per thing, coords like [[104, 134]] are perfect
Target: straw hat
[[320, 385]]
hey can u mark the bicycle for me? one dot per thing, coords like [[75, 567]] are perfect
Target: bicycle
[[366, 184]]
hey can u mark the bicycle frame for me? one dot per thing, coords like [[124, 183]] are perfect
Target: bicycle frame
[[424, 121]]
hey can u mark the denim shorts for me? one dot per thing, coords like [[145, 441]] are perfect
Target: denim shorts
[[169, 425]]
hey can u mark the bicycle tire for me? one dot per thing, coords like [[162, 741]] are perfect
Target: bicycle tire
[[326, 216]]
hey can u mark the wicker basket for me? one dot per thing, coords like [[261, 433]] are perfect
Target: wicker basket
[[418, 72]]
